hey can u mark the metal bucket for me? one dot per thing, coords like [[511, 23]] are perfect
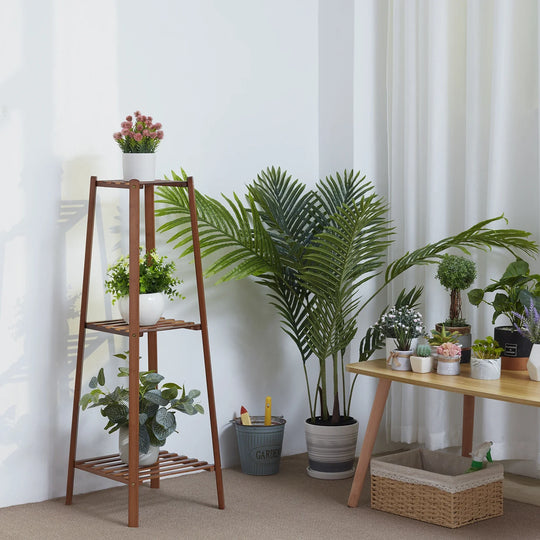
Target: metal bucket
[[259, 445]]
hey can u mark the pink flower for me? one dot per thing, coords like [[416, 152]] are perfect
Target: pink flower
[[125, 132], [137, 113], [149, 118], [117, 136], [129, 118], [160, 135], [138, 137], [157, 126], [146, 133], [153, 135]]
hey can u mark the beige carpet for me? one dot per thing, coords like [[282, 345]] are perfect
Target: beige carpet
[[288, 505]]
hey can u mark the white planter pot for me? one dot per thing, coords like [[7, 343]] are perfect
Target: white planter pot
[[533, 364], [141, 167], [149, 458], [448, 365], [401, 360], [331, 450], [421, 364], [485, 368], [151, 307]]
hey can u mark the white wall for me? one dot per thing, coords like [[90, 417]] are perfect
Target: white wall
[[235, 85]]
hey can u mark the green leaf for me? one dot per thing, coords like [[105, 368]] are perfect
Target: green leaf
[[85, 401], [154, 396], [169, 393], [144, 440], [101, 377], [199, 408], [475, 296], [93, 382], [194, 394]]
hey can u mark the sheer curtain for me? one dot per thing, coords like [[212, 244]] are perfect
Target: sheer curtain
[[462, 145]]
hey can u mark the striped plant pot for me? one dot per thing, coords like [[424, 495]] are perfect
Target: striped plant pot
[[331, 450]]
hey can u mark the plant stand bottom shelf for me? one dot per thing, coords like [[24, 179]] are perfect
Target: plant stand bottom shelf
[[434, 487], [168, 464]]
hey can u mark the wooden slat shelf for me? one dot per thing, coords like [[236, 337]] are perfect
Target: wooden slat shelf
[[126, 183], [119, 326], [168, 464]]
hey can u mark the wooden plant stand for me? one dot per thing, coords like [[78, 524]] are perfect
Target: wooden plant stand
[[169, 464]]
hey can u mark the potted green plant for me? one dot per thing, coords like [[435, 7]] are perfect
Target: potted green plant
[[514, 290], [486, 359], [422, 361], [313, 249], [438, 337], [156, 282], [157, 408], [138, 139], [456, 274]]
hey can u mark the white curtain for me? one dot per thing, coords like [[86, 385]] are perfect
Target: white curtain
[[461, 87]]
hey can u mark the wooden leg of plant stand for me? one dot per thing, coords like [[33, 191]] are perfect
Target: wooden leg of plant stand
[[372, 428], [468, 425], [152, 366]]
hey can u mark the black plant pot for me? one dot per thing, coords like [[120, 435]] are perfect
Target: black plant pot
[[516, 348]]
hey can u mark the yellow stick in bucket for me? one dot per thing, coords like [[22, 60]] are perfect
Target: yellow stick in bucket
[[268, 411]]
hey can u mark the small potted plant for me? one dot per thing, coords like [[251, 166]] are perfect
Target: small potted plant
[[138, 140], [422, 361], [156, 281], [157, 408], [448, 358], [529, 326], [486, 359], [406, 325], [438, 337], [514, 291], [457, 274]]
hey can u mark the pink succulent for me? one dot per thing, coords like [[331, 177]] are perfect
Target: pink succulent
[[449, 349]]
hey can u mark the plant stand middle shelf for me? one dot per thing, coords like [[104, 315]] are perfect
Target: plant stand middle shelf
[[120, 327], [169, 464]]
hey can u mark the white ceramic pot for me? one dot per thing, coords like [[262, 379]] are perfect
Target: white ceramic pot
[[533, 364], [140, 167], [151, 307], [421, 364], [448, 365], [401, 360], [149, 458], [485, 368], [331, 450]]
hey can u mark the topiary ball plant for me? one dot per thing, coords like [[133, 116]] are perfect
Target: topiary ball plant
[[456, 274]]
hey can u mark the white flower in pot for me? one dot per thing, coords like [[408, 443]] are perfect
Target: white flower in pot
[[157, 408], [156, 281], [486, 359]]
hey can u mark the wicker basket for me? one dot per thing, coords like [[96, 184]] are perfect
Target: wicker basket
[[433, 487]]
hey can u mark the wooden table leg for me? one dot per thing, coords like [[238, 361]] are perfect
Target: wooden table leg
[[372, 429], [468, 425]]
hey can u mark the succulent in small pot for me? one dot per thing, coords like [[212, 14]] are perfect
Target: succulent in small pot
[[421, 361], [486, 359], [157, 406], [156, 281], [438, 337], [448, 357]]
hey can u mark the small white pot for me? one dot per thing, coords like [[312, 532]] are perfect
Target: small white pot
[[140, 167], [448, 365], [421, 364], [149, 458], [533, 364], [485, 368], [151, 307], [400, 360]]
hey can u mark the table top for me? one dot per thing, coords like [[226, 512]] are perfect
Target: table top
[[513, 386]]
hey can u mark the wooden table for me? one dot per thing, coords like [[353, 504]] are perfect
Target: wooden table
[[513, 386]]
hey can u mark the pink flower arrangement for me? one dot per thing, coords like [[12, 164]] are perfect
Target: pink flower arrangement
[[141, 135], [449, 349]]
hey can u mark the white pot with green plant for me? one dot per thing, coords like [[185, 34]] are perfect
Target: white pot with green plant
[[157, 408], [138, 139], [422, 361], [314, 249], [156, 283], [486, 359], [438, 337]]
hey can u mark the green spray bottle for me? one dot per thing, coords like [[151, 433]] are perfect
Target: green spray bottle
[[481, 452]]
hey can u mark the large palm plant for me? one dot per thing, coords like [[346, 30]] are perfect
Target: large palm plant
[[313, 249]]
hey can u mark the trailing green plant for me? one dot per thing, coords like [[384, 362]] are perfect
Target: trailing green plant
[[456, 274], [514, 291], [443, 336], [155, 275], [486, 348], [423, 349], [157, 405], [313, 249]]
